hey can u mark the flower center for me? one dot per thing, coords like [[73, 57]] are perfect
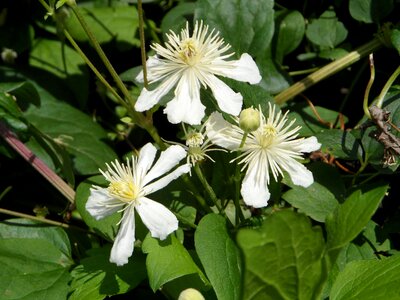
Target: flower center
[[125, 191], [194, 139], [267, 136], [189, 52]]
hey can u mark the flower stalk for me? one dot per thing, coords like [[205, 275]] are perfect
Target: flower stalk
[[207, 187]]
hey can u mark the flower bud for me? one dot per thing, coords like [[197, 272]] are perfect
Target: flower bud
[[249, 119], [190, 294], [8, 55]]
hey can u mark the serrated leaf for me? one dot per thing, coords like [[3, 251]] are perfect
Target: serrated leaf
[[370, 11], [168, 260], [349, 218], [220, 256], [247, 25], [74, 130], [369, 279], [316, 201], [283, 259], [107, 23], [65, 63], [107, 226], [326, 31], [95, 277]]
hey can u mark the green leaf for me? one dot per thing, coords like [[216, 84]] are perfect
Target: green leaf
[[107, 226], [175, 18], [395, 38], [274, 78], [369, 279], [316, 201], [25, 92], [168, 260], [65, 63], [34, 259], [118, 23], [95, 277], [339, 143], [290, 28], [349, 218], [247, 25], [327, 31], [283, 259], [8, 103], [370, 11], [220, 256], [74, 130]]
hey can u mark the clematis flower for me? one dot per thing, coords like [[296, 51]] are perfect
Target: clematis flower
[[129, 186], [189, 61], [272, 148]]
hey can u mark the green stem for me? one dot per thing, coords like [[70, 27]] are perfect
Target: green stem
[[369, 85], [387, 86], [142, 42], [94, 69], [196, 193], [207, 187], [328, 70], [238, 210], [46, 6]]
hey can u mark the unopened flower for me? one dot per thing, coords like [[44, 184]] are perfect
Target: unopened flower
[[272, 148], [249, 119], [129, 185], [8, 55], [189, 61]]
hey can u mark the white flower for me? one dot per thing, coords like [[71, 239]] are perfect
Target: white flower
[[127, 190], [189, 62], [273, 147]]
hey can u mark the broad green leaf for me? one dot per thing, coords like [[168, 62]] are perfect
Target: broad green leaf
[[312, 122], [175, 19], [339, 143], [220, 256], [73, 130], [333, 54], [25, 92], [95, 277], [370, 11], [369, 279], [349, 218], [107, 226], [326, 31], [63, 62], [274, 78], [35, 260], [395, 38], [290, 28], [22, 228], [316, 201], [118, 23], [283, 258], [167, 260], [10, 106], [247, 25]]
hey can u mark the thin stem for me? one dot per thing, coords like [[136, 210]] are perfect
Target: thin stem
[[37, 163], [94, 69], [46, 6], [238, 210], [328, 70], [196, 193], [302, 72], [142, 42], [369, 85], [387, 86], [207, 187], [41, 220]]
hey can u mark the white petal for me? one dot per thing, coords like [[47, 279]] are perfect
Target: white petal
[[254, 188], [245, 70], [123, 245], [164, 181], [221, 133], [308, 145], [101, 205], [157, 218], [148, 99], [169, 158], [151, 63], [186, 106], [228, 101], [145, 159], [299, 174]]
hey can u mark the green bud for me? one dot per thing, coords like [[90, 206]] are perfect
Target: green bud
[[249, 119]]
